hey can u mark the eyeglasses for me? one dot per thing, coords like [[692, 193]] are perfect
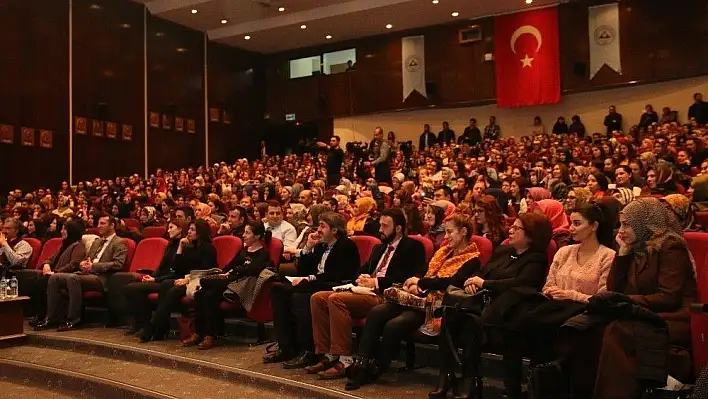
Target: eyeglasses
[[513, 228], [478, 211]]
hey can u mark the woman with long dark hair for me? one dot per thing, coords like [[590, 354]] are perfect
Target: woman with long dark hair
[[489, 220], [249, 263], [195, 252], [33, 283]]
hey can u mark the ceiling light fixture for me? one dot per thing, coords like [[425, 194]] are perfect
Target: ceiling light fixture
[[223, 21], [529, 1], [455, 14], [194, 11], [281, 9], [95, 7], [125, 26], [436, 1], [389, 26], [328, 37], [181, 49], [247, 37], [303, 26]]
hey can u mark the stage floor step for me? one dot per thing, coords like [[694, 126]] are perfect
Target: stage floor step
[[19, 390]]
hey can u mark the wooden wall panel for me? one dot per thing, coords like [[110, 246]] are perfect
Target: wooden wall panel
[[108, 86], [660, 40], [34, 90], [175, 62]]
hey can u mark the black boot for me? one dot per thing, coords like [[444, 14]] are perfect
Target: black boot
[[446, 381], [512, 377]]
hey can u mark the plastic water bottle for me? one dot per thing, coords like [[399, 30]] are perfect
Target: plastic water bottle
[[3, 288], [13, 288]]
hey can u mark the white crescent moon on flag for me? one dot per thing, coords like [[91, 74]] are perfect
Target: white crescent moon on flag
[[526, 29]]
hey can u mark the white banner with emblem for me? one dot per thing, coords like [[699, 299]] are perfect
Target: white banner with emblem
[[603, 24], [413, 57]]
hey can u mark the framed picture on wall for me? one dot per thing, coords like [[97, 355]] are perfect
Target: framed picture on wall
[[214, 114], [166, 122], [28, 136], [179, 124], [226, 118], [154, 119], [127, 132], [97, 128], [191, 126], [111, 130], [80, 125], [45, 139], [7, 134]]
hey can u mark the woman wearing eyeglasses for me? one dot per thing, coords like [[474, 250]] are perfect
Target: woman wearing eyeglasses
[[489, 219]]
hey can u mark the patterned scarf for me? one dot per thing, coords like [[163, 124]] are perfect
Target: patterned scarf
[[445, 263]]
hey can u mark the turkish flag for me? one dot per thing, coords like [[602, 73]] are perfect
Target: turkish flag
[[527, 58]]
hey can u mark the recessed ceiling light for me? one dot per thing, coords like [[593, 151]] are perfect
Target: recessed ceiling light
[[529, 1], [194, 10], [389, 26], [247, 37], [328, 37], [435, 1], [160, 34], [181, 49], [125, 26], [94, 6], [455, 14], [303, 26], [281, 9], [223, 21]]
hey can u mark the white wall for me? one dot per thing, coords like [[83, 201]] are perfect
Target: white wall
[[591, 107], [304, 67]]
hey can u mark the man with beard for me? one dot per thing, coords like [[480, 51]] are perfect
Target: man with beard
[[397, 258]]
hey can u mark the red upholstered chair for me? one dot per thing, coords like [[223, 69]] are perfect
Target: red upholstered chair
[[485, 248], [131, 223], [48, 249], [702, 218], [227, 247], [698, 245], [365, 244], [427, 244], [36, 249], [154, 231], [276, 251], [148, 254]]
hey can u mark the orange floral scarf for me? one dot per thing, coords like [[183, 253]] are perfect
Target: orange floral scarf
[[444, 264]]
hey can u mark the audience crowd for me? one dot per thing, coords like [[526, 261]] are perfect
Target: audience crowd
[[559, 246]]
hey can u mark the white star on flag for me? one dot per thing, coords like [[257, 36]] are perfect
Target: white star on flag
[[526, 61]]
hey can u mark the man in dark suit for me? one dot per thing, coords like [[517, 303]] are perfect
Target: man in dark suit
[[613, 121], [427, 139], [393, 261], [329, 259], [106, 256], [446, 135]]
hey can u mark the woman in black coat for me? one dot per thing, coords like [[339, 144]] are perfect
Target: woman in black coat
[[140, 286], [523, 262], [195, 252]]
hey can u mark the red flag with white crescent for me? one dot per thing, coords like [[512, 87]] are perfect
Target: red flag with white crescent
[[527, 56]]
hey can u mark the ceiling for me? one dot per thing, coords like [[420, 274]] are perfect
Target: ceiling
[[272, 31]]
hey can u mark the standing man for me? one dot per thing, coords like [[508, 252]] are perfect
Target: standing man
[[698, 110], [427, 139], [446, 135], [379, 153], [613, 121], [471, 135], [492, 131], [335, 157]]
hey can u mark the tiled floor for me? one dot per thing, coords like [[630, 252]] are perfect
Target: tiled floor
[[11, 390]]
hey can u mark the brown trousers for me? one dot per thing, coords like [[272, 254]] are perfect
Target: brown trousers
[[332, 314]]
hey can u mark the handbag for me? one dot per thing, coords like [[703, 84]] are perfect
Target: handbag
[[396, 294], [458, 298], [195, 276]]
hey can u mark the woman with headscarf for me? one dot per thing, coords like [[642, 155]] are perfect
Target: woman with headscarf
[[148, 217], [203, 211], [651, 283], [666, 180], [533, 195], [363, 221], [555, 212], [684, 210]]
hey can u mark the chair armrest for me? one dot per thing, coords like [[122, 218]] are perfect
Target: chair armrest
[[699, 308]]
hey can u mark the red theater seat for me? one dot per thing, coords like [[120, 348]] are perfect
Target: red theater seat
[[227, 247], [36, 249], [155, 231], [485, 248], [427, 244], [148, 254], [131, 223], [365, 244], [48, 249]]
